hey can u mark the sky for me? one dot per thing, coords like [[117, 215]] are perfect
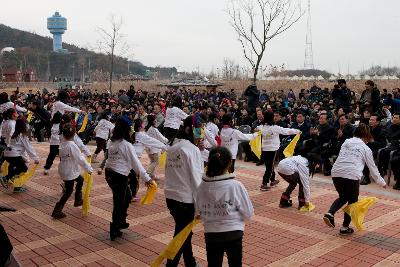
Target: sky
[[348, 35]]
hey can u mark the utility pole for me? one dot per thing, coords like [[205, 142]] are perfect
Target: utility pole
[[89, 75], [73, 73], [309, 56]]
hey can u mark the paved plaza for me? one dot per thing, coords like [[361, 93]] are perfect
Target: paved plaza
[[274, 237]]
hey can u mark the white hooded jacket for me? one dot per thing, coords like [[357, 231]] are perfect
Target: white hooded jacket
[[71, 161], [183, 171], [223, 204]]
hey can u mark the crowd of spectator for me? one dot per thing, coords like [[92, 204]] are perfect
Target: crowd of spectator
[[326, 117]]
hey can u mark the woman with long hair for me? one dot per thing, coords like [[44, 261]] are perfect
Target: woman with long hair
[[173, 118], [270, 145], [121, 160], [183, 172], [61, 104], [347, 173]]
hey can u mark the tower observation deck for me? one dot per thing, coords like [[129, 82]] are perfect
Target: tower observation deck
[[57, 25]]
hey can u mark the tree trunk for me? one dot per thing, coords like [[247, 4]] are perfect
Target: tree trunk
[[111, 73], [255, 75]]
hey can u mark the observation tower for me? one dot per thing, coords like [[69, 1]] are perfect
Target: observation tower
[[57, 25]]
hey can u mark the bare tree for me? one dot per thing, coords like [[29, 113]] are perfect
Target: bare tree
[[257, 22], [114, 42]]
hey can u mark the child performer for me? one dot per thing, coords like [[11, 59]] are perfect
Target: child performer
[[71, 162], [18, 145], [141, 141], [230, 138], [347, 172], [102, 131], [154, 153], [183, 172], [296, 170], [54, 142], [173, 118], [121, 160], [223, 205], [270, 144]]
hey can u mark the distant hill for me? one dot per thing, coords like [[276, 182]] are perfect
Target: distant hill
[[33, 51]]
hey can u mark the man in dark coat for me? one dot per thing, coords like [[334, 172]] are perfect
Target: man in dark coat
[[342, 96], [253, 97], [370, 97]]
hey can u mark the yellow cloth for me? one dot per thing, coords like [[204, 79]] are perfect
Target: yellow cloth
[[24, 177], [255, 145], [5, 168], [173, 247], [289, 150], [358, 210], [163, 159], [87, 177], [84, 123], [151, 192], [29, 116], [308, 208], [76, 117]]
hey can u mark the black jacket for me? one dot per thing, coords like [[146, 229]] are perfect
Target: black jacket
[[305, 130], [392, 134], [326, 134], [342, 98], [347, 132], [375, 102], [379, 139], [253, 97]]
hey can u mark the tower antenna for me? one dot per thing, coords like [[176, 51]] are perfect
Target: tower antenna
[[309, 57]]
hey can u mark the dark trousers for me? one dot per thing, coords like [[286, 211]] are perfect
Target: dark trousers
[[232, 166], [249, 155], [16, 166], [121, 196], [101, 145], [216, 250], [348, 193], [395, 167], [54, 149], [293, 181], [6, 247], [183, 214], [384, 157], [269, 174], [133, 183], [69, 188], [170, 133]]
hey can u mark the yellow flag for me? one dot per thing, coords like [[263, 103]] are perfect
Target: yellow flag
[[5, 168], [289, 150], [24, 177], [163, 159], [30, 113], [308, 208], [255, 145], [173, 247], [86, 190], [151, 192], [358, 211], [84, 123]]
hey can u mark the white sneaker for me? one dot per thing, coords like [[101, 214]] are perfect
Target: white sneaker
[[46, 172]]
